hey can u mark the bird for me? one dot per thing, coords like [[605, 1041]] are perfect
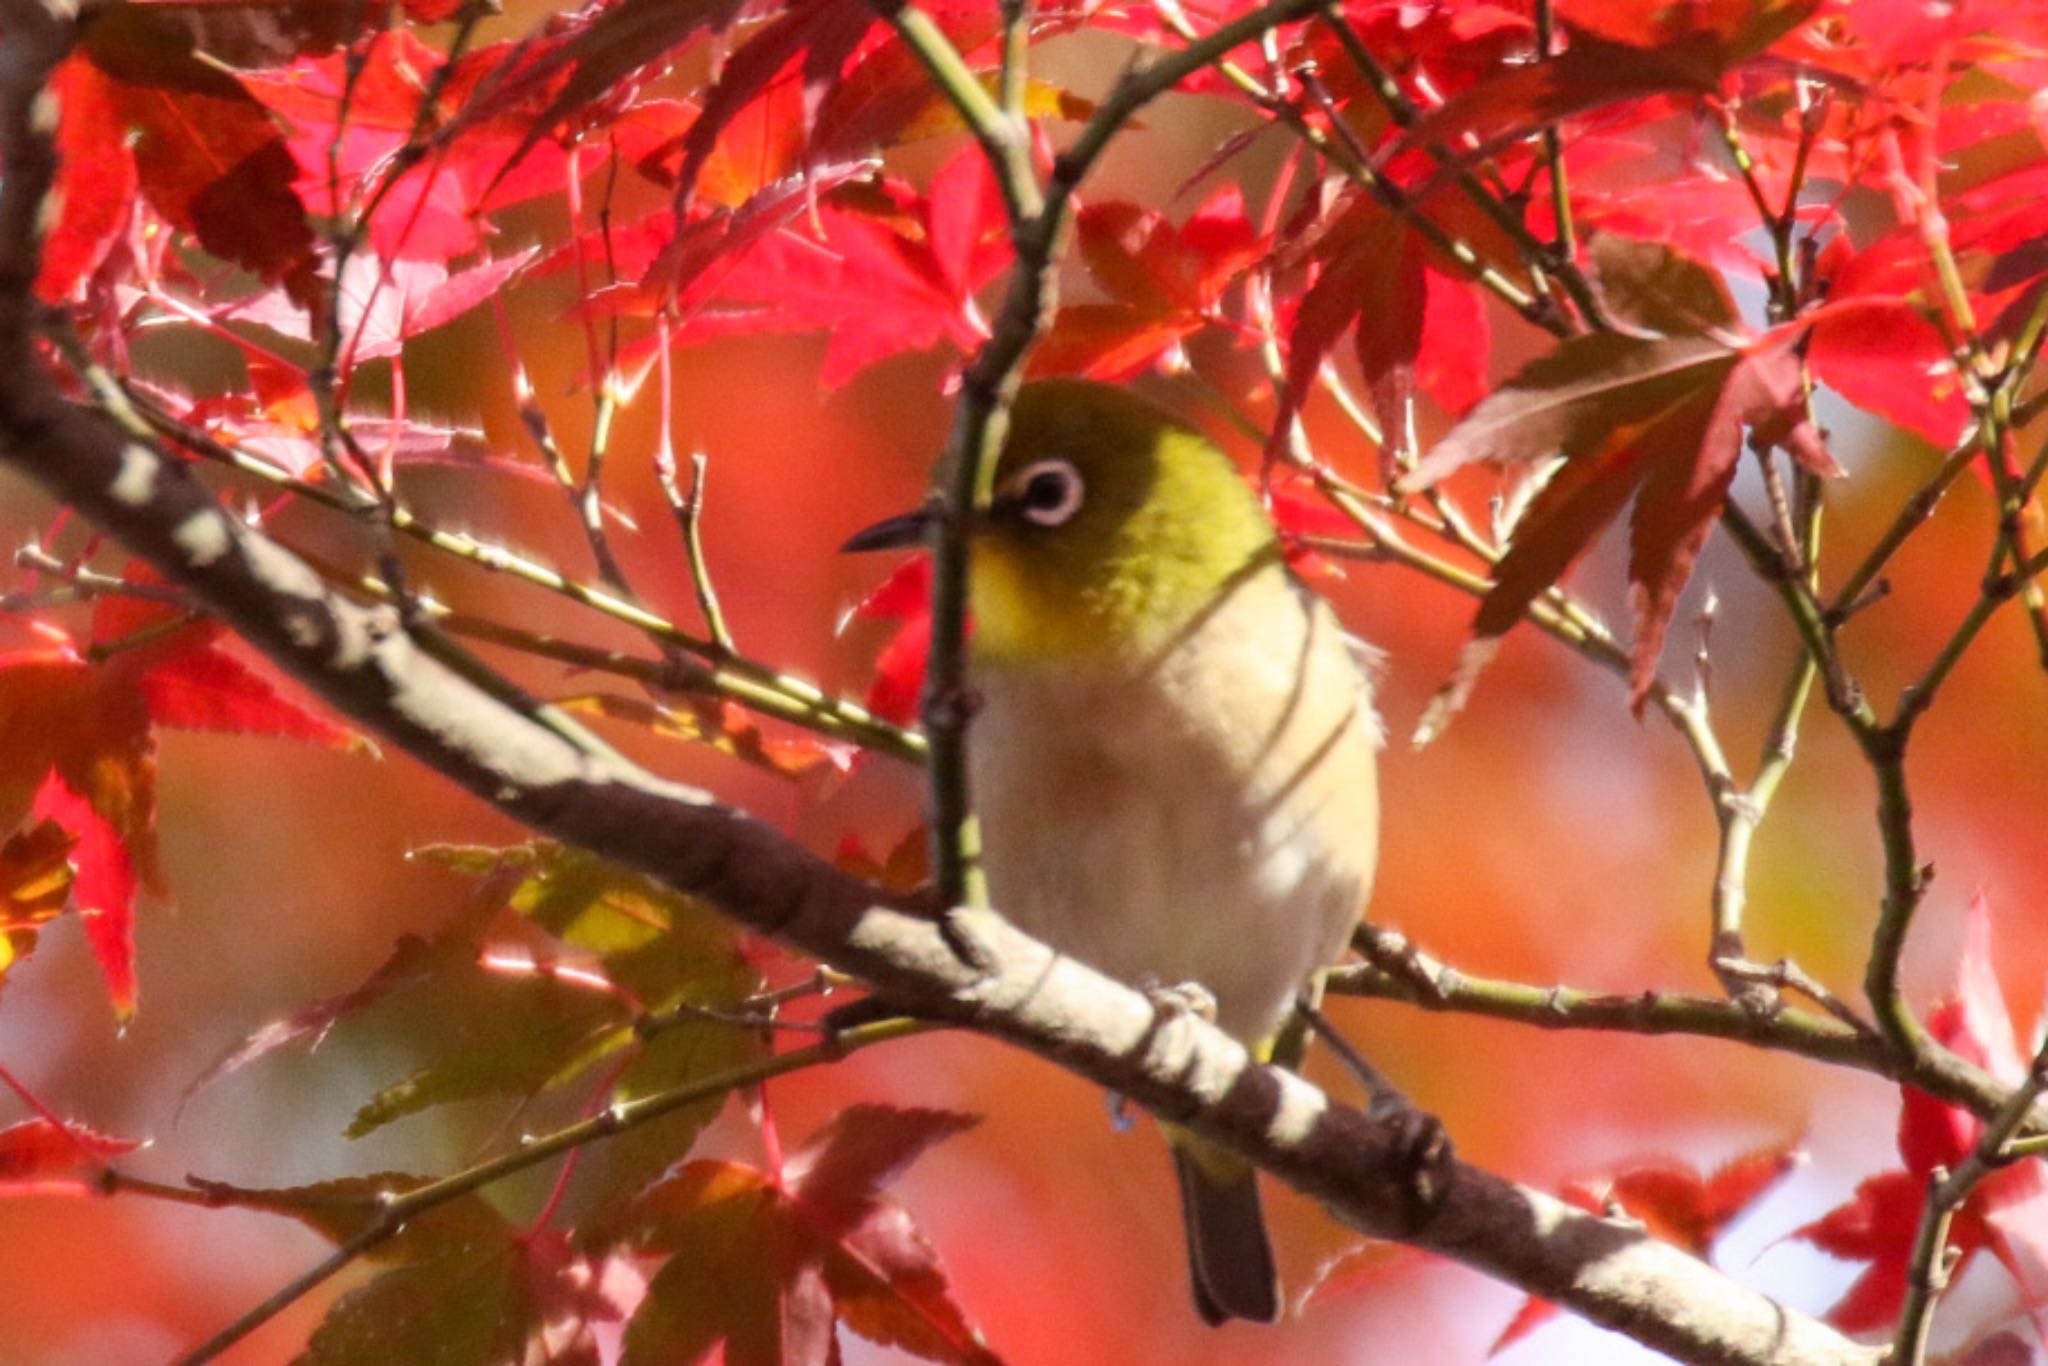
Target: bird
[[1173, 746]]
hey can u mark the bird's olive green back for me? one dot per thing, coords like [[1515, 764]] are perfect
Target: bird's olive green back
[[1166, 525]]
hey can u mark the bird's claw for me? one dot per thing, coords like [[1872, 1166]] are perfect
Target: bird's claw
[[1182, 998]]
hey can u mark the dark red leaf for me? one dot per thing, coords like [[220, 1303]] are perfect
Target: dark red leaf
[[1660, 420], [1590, 73], [208, 157], [1417, 326], [599, 50], [1392, 302], [268, 33], [1682, 496], [859, 1154], [1356, 246], [808, 42], [769, 1268], [888, 1286], [1655, 286]]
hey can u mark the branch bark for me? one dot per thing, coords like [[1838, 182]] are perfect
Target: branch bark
[[418, 689]]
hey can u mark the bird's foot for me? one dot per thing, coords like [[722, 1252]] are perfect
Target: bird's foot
[[1181, 998], [1422, 1157]]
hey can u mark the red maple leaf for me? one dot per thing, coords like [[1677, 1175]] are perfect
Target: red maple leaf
[[45, 1156], [82, 734], [1165, 282], [489, 155], [2006, 1214], [204, 153], [1416, 321], [770, 1264], [905, 597], [50, 1154], [1616, 52], [1655, 420], [807, 44], [386, 303], [886, 270]]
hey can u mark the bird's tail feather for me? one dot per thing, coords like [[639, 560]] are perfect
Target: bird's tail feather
[[1230, 1259]]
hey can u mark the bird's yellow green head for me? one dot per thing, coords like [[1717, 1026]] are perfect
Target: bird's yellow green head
[[1111, 528]]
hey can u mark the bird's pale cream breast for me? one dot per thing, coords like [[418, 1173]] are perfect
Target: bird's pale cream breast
[[1208, 813]]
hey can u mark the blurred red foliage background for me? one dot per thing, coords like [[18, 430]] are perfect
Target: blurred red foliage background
[[1547, 837]]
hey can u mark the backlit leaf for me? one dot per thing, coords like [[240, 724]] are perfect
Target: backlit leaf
[[39, 1154], [96, 180], [207, 155], [35, 883]]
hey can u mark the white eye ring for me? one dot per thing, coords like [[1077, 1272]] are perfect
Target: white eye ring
[[1049, 492]]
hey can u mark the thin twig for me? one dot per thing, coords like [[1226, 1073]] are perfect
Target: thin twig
[[1928, 1268], [688, 506]]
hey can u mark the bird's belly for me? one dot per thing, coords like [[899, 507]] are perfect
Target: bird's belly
[[1158, 872]]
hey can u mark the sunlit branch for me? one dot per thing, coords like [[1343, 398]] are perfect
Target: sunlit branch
[[1396, 970]]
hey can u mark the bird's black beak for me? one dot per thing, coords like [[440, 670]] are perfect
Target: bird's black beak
[[904, 529]]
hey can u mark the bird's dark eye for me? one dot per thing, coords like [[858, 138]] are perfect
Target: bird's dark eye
[[1049, 492]]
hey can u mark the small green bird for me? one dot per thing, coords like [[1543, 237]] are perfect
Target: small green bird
[[1174, 752]]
